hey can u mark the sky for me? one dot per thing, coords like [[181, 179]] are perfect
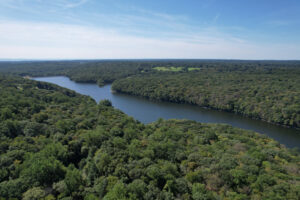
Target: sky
[[138, 29]]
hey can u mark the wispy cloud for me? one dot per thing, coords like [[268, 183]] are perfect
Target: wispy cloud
[[133, 19], [75, 4], [163, 16], [127, 32], [50, 41], [150, 21], [18, 5], [32, 5]]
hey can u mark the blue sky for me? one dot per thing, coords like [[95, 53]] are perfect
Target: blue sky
[[96, 29]]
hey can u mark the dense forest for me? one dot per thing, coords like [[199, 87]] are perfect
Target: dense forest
[[271, 95], [56, 144], [266, 90], [100, 72]]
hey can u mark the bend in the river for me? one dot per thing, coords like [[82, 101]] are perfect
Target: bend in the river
[[148, 111]]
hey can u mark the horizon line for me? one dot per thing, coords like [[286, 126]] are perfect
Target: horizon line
[[128, 59]]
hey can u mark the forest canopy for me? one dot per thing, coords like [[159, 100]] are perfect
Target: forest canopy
[[57, 144], [269, 95], [265, 90]]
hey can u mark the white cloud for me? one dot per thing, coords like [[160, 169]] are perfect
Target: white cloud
[[73, 4], [33, 5], [62, 41]]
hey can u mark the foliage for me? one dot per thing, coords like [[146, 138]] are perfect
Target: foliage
[[90, 151], [269, 94], [266, 90], [35, 193]]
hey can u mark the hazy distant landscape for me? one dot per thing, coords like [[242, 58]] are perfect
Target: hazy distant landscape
[[266, 90], [153, 100]]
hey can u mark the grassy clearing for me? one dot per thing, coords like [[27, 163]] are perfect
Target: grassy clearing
[[169, 69], [175, 69], [193, 69]]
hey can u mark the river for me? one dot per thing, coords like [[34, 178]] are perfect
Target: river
[[148, 111]]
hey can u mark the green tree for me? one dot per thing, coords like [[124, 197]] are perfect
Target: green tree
[[118, 192], [44, 171], [35, 193], [73, 180]]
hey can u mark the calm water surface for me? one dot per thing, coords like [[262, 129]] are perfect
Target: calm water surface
[[148, 111]]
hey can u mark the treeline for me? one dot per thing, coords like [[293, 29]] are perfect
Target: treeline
[[272, 95], [107, 71], [266, 90], [100, 72], [56, 144]]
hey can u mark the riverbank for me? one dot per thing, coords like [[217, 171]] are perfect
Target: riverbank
[[60, 144], [271, 97], [148, 111], [204, 107]]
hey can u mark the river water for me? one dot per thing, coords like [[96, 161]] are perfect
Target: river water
[[148, 111]]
